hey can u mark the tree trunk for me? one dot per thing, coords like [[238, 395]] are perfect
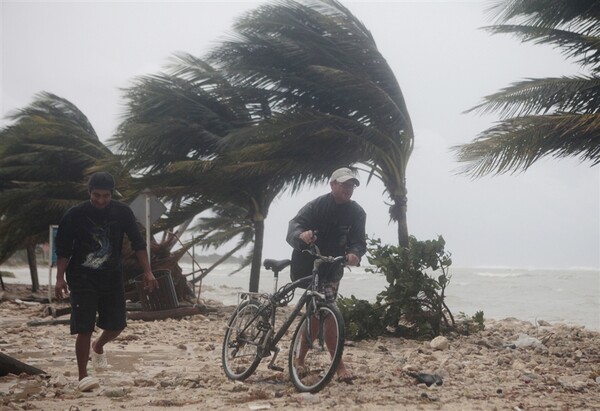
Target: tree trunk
[[398, 213], [403, 230], [259, 236], [31, 260]]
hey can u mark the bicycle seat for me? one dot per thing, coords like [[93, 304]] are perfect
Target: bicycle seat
[[276, 265]]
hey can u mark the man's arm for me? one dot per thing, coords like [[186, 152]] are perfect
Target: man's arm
[[61, 290], [139, 246], [299, 228], [150, 282], [64, 251], [357, 239]]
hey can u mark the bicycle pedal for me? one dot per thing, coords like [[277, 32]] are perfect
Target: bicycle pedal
[[276, 368]]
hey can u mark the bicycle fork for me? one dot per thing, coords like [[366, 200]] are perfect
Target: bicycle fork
[[315, 328]]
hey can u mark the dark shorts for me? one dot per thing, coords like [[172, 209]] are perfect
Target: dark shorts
[[109, 305], [329, 281], [330, 289]]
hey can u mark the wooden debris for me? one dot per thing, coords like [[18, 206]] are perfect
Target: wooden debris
[[36, 323]]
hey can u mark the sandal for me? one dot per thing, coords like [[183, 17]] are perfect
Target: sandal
[[88, 384], [99, 361]]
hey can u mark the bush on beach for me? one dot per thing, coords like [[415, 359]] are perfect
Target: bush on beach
[[412, 305]]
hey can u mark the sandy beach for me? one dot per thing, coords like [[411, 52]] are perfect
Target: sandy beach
[[511, 365]]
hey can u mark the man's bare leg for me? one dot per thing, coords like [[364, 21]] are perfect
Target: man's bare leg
[[104, 338], [82, 352]]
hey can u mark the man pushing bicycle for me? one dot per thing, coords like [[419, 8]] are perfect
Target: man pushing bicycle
[[336, 224]]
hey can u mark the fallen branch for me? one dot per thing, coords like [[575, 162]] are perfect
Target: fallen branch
[[36, 323]]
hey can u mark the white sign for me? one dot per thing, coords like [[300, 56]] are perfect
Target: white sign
[[138, 206]]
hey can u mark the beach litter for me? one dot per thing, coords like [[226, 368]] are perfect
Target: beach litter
[[525, 341], [427, 379]]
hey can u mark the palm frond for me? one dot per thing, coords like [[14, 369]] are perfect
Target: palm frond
[[515, 144], [578, 94], [582, 47], [580, 15]]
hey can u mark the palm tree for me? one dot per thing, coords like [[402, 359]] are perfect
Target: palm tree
[[557, 117], [330, 91], [46, 154]]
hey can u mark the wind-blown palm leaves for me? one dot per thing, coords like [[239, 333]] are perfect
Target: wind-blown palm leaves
[[322, 72], [45, 155], [174, 132], [556, 117]]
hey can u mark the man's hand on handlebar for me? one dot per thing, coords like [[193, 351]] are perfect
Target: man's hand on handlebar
[[352, 259], [308, 236]]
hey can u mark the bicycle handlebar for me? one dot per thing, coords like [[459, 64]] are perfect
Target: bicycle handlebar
[[314, 251]]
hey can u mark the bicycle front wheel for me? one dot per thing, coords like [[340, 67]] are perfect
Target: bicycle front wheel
[[243, 338], [317, 347]]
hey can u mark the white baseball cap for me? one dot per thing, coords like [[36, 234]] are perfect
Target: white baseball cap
[[344, 174]]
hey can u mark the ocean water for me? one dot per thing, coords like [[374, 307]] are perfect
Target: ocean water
[[569, 296]]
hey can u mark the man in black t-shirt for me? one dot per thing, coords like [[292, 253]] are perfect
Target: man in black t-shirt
[[88, 245], [339, 224]]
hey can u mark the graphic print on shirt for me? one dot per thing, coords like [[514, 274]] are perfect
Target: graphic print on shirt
[[101, 246]]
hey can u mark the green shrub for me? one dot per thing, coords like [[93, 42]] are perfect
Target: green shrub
[[470, 325], [412, 305], [413, 302], [363, 320]]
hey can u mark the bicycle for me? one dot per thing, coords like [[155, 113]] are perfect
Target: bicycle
[[315, 351]]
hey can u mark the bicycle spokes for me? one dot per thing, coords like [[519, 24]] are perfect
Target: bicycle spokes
[[242, 344], [316, 349]]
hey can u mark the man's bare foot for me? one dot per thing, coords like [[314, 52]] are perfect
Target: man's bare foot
[[345, 375]]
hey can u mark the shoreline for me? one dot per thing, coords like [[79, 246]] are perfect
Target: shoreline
[[557, 296]]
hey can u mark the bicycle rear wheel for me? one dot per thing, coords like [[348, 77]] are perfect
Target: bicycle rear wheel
[[243, 339], [317, 347]]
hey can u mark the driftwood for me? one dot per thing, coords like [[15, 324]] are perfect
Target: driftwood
[[179, 312], [34, 299], [57, 311], [36, 323], [60, 311], [134, 306], [137, 314], [9, 365]]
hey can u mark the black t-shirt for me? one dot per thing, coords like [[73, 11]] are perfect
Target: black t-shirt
[[92, 239], [341, 230]]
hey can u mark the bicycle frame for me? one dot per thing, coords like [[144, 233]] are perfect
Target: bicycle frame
[[259, 330], [271, 305]]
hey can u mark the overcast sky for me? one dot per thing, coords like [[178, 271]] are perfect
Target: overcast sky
[[86, 51]]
